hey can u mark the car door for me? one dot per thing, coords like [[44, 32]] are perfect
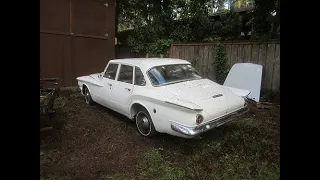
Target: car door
[[108, 80], [122, 89]]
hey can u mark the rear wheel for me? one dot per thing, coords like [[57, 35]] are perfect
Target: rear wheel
[[144, 123], [87, 96]]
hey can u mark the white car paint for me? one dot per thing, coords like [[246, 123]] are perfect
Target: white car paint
[[245, 76], [173, 108]]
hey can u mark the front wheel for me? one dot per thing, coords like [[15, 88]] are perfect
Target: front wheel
[[144, 123], [87, 96]]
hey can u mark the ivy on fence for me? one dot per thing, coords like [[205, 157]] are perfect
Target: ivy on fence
[[220, 63]]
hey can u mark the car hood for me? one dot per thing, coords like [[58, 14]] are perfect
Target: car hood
[[214, 99], [95, 75]]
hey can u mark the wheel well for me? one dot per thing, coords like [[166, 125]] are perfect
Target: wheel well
[[83, 88], [135, 108]]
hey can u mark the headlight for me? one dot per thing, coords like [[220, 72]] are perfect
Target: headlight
[[199, 119]]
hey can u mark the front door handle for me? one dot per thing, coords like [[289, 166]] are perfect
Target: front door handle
[[109, 84], [128, 89]]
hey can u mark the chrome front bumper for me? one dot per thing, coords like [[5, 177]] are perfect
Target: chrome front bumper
[[194, 131]]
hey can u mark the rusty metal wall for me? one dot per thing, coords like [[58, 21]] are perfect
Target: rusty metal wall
[[76, 37]]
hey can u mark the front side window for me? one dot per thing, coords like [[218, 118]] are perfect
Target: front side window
[[168, 74], [126, 74], [111, 71]]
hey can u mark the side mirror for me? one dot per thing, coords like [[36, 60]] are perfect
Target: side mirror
[[100, 76]]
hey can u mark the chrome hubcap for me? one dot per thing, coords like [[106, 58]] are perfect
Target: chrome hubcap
[[145, 123]]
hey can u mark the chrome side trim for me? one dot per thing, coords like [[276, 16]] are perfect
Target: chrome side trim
[[193, 109]]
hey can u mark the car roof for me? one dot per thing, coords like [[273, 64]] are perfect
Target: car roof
[[147, 63]]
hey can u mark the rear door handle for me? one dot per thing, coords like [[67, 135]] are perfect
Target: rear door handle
[[128, 89]]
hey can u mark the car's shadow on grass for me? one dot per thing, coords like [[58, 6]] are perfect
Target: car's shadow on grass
[[114, 115]]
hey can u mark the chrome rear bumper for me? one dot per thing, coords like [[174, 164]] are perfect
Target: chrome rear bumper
[[194, 131]]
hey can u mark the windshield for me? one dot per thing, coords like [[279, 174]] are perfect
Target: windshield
[[168, 74]]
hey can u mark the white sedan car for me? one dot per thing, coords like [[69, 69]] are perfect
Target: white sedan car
[[163, 95]]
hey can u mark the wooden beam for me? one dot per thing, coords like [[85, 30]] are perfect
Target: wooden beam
[[72, 34]]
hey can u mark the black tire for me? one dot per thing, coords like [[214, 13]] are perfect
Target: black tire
[[87, 96], [144, 123]]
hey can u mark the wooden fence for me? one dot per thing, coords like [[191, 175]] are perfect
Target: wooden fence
[[265, 53]]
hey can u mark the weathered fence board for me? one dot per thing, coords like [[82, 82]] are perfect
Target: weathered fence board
[[269, 65], [247, 54], [211, 70], [276, 70], [262, 61], [265, 53], [255, 54], [228, 51], [234, 54]]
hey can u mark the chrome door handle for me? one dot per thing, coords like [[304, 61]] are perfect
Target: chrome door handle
[[128, 89]]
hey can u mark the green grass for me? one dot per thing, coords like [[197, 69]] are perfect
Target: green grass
[[270, 97], [60, 102], [244, 149], [152, 165]]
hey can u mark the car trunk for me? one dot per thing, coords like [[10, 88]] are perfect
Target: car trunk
[[213, 98]]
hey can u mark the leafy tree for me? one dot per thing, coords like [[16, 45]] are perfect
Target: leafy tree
[[158, 22], [263, 20]]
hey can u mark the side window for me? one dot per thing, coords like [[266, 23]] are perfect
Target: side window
[[139, 79], [111, 71], [126, 74]]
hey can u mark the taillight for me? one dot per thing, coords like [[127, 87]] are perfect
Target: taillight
[[199, 119]]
